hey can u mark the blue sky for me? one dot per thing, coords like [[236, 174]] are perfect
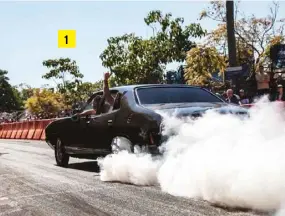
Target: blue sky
[[29, 31]]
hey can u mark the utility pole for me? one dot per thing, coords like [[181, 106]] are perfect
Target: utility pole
[[231, 33]]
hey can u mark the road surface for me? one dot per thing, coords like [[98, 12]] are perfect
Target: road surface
[[31, 184]]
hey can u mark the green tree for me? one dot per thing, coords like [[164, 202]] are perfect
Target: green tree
[[45, 103], [218, 38], [201, 63], [9, 96], [65, 73], [26, 91], [133, 59], [276, 40], [85, 90]]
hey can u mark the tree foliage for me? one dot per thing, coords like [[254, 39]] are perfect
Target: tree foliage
[[129, 58], [45, 103], [133, 59], [201, 63], [61, 70], [65, 73], [85, 90], [25, 90], [172, 38], [9, 96]]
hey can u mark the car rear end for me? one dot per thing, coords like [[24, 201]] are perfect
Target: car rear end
[[181, 101]]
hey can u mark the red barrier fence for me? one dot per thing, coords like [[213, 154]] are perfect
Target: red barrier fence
[[33, 130], [282, 103], [15, 128], [1, 130], [25, 130], [45, 124], [247, 105]]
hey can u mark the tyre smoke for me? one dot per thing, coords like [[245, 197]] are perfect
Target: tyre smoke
[[223, 159]]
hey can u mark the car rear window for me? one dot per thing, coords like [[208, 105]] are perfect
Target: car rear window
[[162, 95]]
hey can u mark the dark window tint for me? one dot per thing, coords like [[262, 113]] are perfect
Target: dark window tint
[[161, 95], [88, 106]]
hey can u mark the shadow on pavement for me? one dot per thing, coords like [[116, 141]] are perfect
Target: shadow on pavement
[[3, 154], [89, 166], [245, 210]]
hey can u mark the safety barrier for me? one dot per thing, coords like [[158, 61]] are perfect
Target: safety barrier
[[32, 130], [247, 105], [35, 130], [282, 103]]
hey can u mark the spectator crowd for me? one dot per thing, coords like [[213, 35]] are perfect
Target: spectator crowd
[[273, 89], [25, 116]]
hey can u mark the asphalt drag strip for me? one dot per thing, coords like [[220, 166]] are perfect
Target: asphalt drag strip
[[31, 184]]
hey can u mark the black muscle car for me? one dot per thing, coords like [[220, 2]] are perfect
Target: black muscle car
[[132, 121]]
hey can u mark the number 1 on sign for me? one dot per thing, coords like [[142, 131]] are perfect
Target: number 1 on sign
[[66, 39]]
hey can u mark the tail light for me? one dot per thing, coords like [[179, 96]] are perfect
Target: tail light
[[151, 139]]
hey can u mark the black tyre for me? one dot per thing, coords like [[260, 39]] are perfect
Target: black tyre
[[60, 156]]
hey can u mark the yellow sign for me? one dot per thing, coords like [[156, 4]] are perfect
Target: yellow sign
[[66, 38]]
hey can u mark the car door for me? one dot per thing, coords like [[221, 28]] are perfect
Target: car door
[[85, 127], [100, 131], [69, 131], [75, 131]]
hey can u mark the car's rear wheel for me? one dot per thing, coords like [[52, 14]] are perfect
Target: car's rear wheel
[[61, 157], [120, 143]]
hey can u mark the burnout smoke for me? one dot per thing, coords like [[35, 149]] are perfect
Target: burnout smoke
[[219, 158]]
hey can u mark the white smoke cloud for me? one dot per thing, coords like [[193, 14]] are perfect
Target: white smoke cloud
[[280, 212], [218, 158], [139, 169]]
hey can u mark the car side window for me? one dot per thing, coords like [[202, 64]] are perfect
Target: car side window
[[89, 106], [117, 102]]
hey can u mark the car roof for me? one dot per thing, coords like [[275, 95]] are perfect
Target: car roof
[[131, 87]]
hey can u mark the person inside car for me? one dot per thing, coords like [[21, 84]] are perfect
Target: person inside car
[[92, 110], [100, 104]]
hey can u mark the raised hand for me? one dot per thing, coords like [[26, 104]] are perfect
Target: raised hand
[[106, 76]]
